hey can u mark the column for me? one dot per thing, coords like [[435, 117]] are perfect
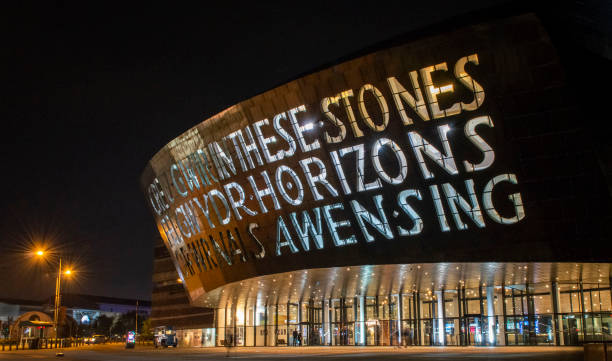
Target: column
[[288, 330], [362, 319], [584, 334], [266, 324], [323, 323], [441, 339], [417, 318], [530, 315], [504, 311], [481, 318], [400, 316], [276, 324], [491, 315], [377, 317], [460, 315], [557, 318], [216, 323]]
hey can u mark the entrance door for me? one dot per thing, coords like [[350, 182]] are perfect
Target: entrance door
[[474, 331], [371, 333], [571, 330], [313, 327]]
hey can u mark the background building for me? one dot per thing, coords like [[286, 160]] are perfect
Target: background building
[[77, 312], [171, 308], [447, 188]]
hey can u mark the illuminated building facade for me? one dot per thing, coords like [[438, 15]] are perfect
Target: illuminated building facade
[[438, 192]]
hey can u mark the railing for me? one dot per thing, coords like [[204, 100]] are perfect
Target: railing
[[40, 343]]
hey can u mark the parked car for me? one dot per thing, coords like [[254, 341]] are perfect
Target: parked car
[[95, 339]]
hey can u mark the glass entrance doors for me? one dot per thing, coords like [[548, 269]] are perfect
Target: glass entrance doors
[[474, 330]]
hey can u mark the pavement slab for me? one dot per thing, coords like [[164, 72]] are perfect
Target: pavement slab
[[119, 353]]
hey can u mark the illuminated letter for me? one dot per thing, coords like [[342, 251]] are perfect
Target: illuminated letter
[[208, 257], [281, 227], [283, 134], [454, 200], [325, 103], [296, 180], [263, 142], [262, 249], [470, 133], [204, 209], [315, 229], [204, 166], [321, 178], [414, 216], [166, 190], [382, 103], [221, 197], [156, 197], [435, 194], [345, 95], [515, 198], [240, 202], [268, 191], [300, 129], [420, 146], [246, 148], [399, 155], [400, 93], [465, 79], [233, 248], [363, 215], [220, 251], [222, 160], [432, 92], [191, 219], [175, 168], [333, 226], [233, 137], [169, 230], [336, 161], [360, 165], [188, 174]]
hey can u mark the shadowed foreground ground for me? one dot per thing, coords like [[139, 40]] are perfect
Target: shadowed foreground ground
[[118, 352]]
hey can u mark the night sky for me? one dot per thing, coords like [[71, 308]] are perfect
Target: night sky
[[89, 95]]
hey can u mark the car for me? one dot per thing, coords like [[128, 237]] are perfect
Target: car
[[96, 339]]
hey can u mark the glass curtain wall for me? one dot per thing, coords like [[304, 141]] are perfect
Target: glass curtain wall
[[523, 314]]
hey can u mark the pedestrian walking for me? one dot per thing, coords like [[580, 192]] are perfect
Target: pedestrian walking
[[229, 343]]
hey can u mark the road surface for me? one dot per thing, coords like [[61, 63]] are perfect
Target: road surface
[[148, 353]]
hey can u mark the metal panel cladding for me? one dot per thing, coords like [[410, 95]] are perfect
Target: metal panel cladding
[[451, 148]]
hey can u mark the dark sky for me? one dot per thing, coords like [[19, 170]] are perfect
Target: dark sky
[[89, 95]]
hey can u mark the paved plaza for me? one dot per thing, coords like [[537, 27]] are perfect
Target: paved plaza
[[118, 352]]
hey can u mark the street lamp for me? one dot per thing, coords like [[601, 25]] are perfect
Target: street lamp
[[58, 284]]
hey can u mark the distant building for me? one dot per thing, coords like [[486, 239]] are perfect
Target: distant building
[[83, 309], [171, 307], [87, 308], [11, 308]]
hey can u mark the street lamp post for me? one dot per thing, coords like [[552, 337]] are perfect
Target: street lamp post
[[58, 285]]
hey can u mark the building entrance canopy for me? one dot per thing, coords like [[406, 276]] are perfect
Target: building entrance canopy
[[355, 281]]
